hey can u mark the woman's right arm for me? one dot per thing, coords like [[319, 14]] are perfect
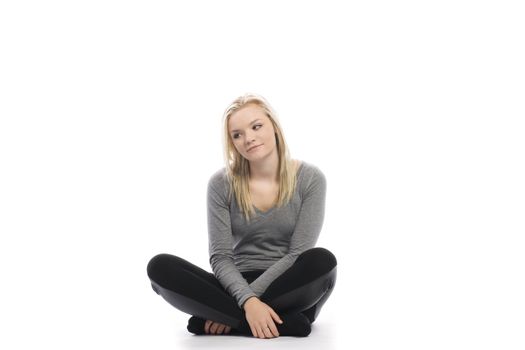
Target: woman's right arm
[[221, 243], [261, 318], [258, 314]]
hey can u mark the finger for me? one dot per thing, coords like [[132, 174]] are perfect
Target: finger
[[260, 332], [227, 329], [275, 316], [268, 332], [274, 330], [220, 329], [213, 328], [254, 331], [207, 326]]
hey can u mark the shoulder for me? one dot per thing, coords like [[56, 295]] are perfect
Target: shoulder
[[311, 178], [218, 183], [218, 178], [311, 172]]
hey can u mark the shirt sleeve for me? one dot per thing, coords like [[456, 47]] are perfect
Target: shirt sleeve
[[221, 244], [306, 231]]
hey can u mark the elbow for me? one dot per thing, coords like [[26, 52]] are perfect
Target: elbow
[[217, 260]]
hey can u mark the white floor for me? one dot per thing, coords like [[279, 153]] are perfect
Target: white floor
[[321, 337]]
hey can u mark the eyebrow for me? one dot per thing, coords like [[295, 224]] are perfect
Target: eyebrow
[[250, 124]]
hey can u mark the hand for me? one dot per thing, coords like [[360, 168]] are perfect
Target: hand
[[260, 317], [211, 327]]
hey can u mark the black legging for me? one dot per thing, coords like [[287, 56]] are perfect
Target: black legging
[[304, 287]]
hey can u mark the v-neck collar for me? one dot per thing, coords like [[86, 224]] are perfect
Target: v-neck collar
[[264, 213]]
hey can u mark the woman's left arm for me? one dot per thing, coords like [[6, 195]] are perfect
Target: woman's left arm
[[306, 232]]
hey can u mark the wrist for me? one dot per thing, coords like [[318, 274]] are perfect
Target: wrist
[[250, 301]]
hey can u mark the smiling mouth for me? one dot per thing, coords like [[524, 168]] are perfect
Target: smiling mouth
[[251, 149]]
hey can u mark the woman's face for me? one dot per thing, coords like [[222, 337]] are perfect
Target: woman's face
[[249, 127]]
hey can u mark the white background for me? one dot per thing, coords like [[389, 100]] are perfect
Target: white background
[[111, 126]]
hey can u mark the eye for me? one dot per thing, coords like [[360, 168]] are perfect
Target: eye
[[235, 135]]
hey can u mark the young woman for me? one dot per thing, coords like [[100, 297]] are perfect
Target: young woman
[[265, 213]]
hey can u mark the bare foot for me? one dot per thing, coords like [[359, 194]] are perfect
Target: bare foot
[[211, 327]]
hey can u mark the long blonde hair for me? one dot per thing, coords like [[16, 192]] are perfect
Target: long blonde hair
[[238, 167]]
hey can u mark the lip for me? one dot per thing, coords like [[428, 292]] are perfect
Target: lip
[[254, 147]]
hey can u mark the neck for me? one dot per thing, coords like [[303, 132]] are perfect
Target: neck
[[265, 170]]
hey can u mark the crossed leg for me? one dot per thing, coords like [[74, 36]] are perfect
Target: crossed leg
[[304, 287]]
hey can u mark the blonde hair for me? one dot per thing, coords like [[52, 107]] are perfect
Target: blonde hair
[[238, 167]]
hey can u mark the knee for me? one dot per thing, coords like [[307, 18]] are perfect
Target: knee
[[320, 258], [158, 264]]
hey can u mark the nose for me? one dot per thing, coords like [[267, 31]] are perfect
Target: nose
[[250, 141]]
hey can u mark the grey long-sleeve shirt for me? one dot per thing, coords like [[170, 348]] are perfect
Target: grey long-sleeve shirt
[[272, 240]]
